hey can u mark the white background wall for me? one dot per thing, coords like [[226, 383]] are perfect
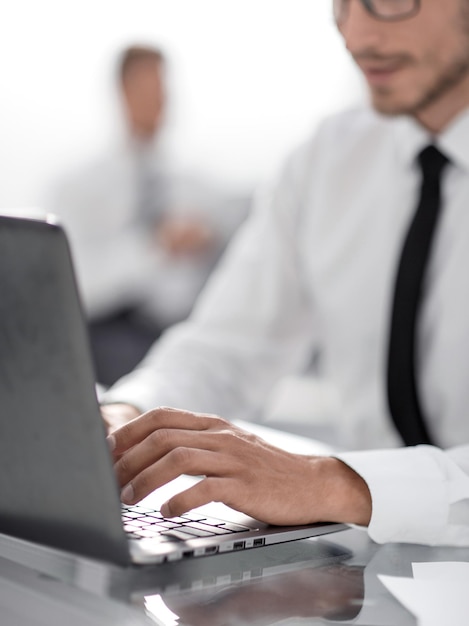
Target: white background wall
[[248, 79]]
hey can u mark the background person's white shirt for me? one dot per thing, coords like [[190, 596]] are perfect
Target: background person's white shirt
[[313, 269], [119, 262]]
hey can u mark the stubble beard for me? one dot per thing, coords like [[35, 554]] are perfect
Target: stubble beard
[[449, 77]]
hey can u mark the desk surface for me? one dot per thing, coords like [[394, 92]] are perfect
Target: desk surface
[[326, 580]]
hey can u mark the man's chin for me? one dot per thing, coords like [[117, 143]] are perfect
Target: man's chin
[[390, 107]]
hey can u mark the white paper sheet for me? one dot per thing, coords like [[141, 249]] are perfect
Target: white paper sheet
[[438, 594], [444, 570]]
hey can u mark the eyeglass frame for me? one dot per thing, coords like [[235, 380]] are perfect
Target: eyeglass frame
[[368, 6]]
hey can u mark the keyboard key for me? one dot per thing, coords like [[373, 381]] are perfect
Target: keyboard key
[[141, 509], [213, 530], [154, 515], [129, 529], [137, 524], [169, 524], [177, 534], [130, 515], [133, 536], [195, 517], [157, 527], [196, 532], [146, 534], [213, 521], [236, 528]]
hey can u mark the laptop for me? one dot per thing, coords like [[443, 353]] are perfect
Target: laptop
[[57, 485]]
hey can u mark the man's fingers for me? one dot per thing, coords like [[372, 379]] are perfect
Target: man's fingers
[[157, 445], [135, 431], [179, 461], [210, 489]]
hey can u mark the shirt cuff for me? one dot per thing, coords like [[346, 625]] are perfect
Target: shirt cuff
[[410, 492]]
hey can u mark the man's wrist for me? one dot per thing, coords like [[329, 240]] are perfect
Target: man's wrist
[[348, 497]]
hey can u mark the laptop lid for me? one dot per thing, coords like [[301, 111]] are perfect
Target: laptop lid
[[57, 485], [56, 478]]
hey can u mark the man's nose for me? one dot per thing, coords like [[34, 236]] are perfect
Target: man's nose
[[359, 29]]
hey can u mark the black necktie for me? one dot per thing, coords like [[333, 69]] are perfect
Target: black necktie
[[403, 394]]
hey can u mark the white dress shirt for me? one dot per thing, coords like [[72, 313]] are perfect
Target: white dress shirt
[[313, 269], [120, 262]]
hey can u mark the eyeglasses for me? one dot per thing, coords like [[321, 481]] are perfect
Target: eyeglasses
[[388, 10]]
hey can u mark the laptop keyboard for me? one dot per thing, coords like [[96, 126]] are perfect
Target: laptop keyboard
[[143, 523]]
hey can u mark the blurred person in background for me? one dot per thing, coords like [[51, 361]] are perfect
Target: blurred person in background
[[144, 237]]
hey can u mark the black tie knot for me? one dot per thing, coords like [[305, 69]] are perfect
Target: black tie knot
[[432, 162]]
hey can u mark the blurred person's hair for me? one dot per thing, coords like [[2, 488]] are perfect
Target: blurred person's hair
[[135, 54]]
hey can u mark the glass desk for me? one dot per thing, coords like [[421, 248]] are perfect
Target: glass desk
[[328, 580]]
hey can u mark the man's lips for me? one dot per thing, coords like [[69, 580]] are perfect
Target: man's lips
[[380, 72], [379, 76]]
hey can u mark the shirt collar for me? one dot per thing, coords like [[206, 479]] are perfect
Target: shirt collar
[[454, 141], [411, 138]]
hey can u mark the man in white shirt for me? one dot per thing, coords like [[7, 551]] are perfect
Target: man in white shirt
[[145, 235], [314, 269]]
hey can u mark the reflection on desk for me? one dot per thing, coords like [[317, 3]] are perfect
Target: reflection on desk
[[310, 576], [334, 592], [313, 581]]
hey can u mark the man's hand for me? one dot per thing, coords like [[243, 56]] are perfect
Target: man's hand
[[185, 236], [239, 469]]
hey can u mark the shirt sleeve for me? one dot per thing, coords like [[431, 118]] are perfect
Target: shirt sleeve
[[419, 494]]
